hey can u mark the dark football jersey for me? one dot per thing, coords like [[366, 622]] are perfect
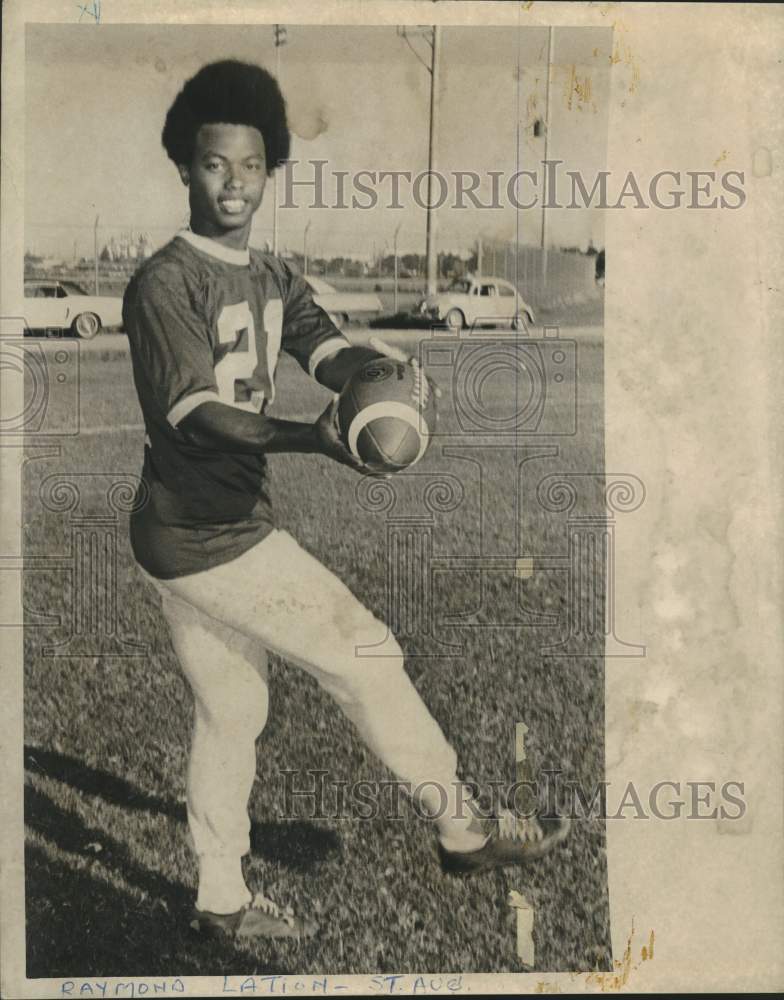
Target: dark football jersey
[[205, 322]]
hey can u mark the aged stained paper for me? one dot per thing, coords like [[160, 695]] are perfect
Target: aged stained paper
[[626, 632]]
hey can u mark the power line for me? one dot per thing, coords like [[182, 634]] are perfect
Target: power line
[[404, 35]]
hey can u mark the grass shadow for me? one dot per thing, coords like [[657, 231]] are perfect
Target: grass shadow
[[91, 781], [296, 844], [93, 910], [81, 924]]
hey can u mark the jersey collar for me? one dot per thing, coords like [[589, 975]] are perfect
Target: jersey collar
[[208, 246]]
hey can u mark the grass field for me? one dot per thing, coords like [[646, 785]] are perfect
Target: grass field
[[110, 879]]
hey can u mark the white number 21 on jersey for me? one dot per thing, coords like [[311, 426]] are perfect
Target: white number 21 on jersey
[[240, 365]]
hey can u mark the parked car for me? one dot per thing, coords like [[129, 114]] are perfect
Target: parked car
[[343, 306], [64, 305], [478, 300]]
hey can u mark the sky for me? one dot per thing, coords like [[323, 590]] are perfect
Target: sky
[[96, 100]]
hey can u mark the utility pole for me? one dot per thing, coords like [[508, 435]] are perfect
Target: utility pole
[[430, 240], [305, 250], [545, 192], [394, 251], [433, 37], [95, 251], [280, 41]]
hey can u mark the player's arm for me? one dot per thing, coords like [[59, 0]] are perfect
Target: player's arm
[[315, 342], [173, 345], [215, 426], [337, 368], [312, 339]]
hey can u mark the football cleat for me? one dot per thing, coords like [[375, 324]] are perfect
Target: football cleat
[[262, 918], [511, 840]]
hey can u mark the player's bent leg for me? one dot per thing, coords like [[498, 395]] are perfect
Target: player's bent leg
[[295, 606], [227, 673], [377, 695]]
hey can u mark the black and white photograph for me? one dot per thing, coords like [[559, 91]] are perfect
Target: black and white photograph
[[367, 581]]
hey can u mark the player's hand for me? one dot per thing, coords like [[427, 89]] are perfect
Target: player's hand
[[329, 441], [396, 354]]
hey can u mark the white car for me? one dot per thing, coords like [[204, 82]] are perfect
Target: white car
[[343, 306], [64, 305], [478, 300]]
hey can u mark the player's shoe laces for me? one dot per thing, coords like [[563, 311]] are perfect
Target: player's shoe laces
[[511, 840], [261, 918]]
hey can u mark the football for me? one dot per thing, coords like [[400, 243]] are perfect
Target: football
[[386, 415]]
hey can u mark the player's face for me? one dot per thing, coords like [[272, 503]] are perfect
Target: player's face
[[226, 182]]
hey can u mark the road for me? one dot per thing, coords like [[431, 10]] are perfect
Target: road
[[117, 343]]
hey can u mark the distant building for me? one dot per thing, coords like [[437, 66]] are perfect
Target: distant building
[[128, 247]]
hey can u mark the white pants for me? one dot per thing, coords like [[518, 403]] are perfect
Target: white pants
[[278, 597]]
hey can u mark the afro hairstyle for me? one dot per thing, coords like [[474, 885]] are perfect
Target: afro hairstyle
[[230, 92]]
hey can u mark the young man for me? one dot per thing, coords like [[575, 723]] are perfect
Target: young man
[[206, 319]]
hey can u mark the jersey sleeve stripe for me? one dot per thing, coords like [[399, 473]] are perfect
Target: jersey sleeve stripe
[[323, 350], [188, 404]]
